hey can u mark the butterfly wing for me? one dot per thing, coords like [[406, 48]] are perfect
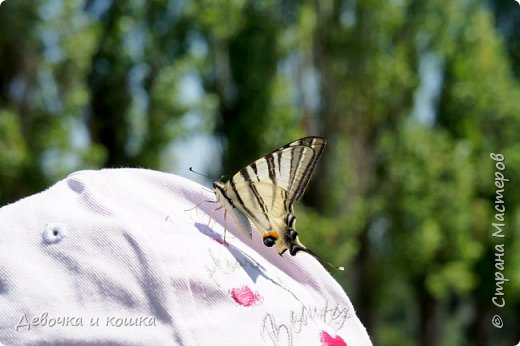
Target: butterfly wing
[[265, 205], [265, 191], [262, 203], [242, 222], [289, 167], [228, 197]]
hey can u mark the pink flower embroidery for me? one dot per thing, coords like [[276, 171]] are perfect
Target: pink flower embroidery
[[327, 340], [245, 296]]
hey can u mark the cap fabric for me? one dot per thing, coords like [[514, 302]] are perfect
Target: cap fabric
[[116, 257]]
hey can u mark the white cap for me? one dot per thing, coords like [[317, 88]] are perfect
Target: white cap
[[115, 257]]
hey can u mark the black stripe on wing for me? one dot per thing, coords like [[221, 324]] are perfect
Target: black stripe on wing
[[317, 144], [289, 167], [259, 200], [241, 205], [270, 166]]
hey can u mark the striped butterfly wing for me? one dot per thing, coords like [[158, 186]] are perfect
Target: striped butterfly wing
[[289, 167], [265, 191], [263, 203]]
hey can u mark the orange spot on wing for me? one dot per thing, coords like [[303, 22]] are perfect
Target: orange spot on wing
[[272, 233]]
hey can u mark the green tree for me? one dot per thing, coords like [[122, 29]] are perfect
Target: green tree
[[42, 94]]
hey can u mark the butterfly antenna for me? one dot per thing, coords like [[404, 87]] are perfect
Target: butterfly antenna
[[310, 252], [204, 175]]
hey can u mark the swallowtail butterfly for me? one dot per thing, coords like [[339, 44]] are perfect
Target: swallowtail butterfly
[[264, 192]]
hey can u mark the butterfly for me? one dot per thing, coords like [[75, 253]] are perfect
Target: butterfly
[[264, 192]]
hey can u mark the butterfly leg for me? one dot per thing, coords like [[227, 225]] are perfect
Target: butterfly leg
[[196, 205], [211, 214], [225, 225]]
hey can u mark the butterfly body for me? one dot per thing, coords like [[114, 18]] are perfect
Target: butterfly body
[[264, 192]]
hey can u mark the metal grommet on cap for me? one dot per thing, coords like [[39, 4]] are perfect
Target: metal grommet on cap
[[54, 233]]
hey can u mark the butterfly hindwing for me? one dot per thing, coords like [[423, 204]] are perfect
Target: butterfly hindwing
[[262, 203], [242, 222]]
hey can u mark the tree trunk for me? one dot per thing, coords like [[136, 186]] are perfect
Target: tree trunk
[[430, 326]]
